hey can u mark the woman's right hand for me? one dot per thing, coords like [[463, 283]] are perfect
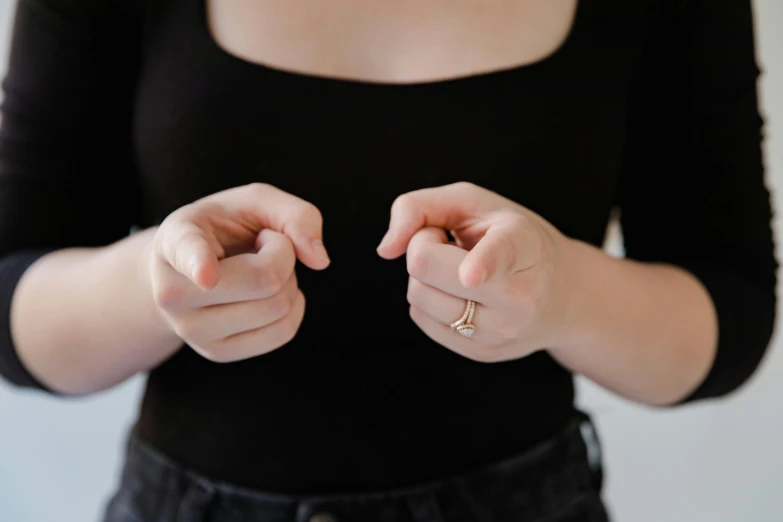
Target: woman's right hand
[[222, 270]]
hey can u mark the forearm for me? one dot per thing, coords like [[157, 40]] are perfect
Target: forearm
[[84, 320], [647, 332]]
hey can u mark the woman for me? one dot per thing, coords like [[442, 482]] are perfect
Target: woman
[[241, 137]]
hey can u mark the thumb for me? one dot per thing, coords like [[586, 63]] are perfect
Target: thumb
[[504, 250], [269, 207], [449, 207]]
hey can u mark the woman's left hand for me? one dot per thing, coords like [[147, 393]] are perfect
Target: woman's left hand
[[509, 260]]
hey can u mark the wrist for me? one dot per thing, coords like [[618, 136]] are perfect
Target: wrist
[[583, 265], [144, 253], [143, 258]]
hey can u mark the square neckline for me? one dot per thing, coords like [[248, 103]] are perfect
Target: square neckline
[[205, 30]]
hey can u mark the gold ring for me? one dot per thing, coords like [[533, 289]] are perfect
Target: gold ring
[[464, 325]]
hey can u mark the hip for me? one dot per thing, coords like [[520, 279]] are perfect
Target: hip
[[558, 480]]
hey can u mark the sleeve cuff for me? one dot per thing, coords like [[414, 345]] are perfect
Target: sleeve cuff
[[746, 318], [12, 268]]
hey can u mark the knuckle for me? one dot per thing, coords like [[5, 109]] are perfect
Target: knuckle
[[281, 304], [542, 252], [186, 330], [417, 316], [507, 244], [214, 353], [518, 220], [181, 221], [187, 213], [418, 262], [403, 204], [257, 286], [514, 295], [309, 212], [465, 186], [177, 217], [270, 283], [167, 295], [259, 188], [304, 212], [534, 296], [484, 355], [414, 292], [286, 331]]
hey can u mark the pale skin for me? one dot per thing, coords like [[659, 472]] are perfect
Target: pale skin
[[537, 290], [218, 273]]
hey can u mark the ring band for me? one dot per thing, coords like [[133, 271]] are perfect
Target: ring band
[[464, 325]]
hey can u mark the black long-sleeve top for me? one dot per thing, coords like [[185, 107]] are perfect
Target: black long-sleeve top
[[118, 112]]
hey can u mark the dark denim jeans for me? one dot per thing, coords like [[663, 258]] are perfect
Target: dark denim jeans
[[558, 481]]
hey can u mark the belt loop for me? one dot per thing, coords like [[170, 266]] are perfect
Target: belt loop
[[594, 450], [196, 501]]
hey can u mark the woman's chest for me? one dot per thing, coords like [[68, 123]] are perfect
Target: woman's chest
[[549, 136], [401, 41]]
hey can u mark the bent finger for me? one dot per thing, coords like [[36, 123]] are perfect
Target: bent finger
[[508, 247], [249, 277], [216, 322], [266, 206], [191, 252], [257, 342]]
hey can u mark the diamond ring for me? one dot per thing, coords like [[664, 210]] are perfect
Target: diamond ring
[[464, 325]]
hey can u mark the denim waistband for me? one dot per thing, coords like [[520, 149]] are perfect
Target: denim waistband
[[548, 479]]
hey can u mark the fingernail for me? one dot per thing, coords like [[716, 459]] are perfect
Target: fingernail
[[387, 239], [320, 250]]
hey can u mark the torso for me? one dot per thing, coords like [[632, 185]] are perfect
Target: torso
[[348, 106]]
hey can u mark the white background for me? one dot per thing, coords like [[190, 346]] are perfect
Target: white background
[[719, 462]]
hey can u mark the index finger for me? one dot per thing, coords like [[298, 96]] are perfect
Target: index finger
[[266, 206], [448, 207], [246, 277], [435, 262]]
